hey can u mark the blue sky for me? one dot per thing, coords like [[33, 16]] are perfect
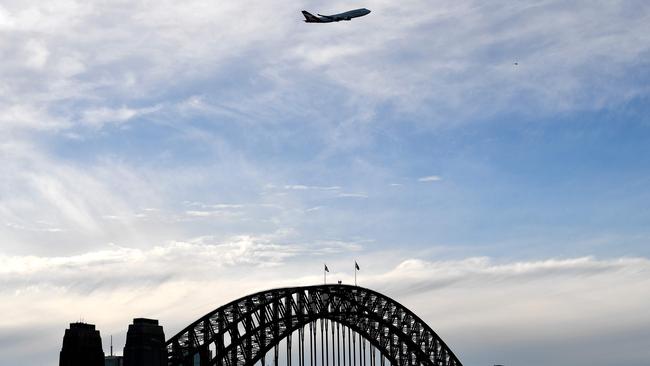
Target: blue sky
[[141, 139]]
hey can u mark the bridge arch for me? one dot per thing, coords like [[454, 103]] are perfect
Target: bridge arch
[[243, 331]]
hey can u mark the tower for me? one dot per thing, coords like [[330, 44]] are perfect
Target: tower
[[145, 344], [82, 346], [113, 360]]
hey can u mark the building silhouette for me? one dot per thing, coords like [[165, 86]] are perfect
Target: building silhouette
[[82, 346], [145, 344], [113, 361]]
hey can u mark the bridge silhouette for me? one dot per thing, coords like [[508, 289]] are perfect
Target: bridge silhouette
[[330, 325]]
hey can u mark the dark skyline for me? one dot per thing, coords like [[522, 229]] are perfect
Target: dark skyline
[[82, 346]]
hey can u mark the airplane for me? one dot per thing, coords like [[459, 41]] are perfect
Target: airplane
[[348, 15]]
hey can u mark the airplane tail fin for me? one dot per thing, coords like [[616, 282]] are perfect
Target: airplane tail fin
[[310, 18]]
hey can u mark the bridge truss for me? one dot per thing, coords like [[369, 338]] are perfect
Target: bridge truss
[[343, 326]]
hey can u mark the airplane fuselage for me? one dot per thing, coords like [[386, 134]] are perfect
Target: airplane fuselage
[[348, 15]]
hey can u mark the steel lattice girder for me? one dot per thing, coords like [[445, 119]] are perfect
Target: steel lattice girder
[[243, 331]]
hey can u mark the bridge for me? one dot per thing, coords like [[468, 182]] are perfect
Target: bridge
[[330, 325]]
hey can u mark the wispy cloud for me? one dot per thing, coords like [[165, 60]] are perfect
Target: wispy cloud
[[301, 187], [430, 178], [118, 266], [99, 117], [424, 275], [353, 195], [49, 75], [216, 206]]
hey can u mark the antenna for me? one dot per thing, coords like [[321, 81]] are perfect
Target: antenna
[[111, 345]]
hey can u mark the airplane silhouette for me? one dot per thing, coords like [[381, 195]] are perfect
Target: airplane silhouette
[[348, 15]]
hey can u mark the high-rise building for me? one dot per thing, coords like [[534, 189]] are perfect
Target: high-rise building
[[145, 344], [82, 346]]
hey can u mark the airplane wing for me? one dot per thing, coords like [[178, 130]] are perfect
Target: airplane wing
[[328, 17]]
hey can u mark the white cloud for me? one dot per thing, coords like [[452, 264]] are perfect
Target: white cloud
[[100, 116], [422, 274], [301, 187], [48, 205], [23, 116], [37, 54], [5, 19], [118, 266], [353, 195], [431, 178], [415, 60], [212, 213]]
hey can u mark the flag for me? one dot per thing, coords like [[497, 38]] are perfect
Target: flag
[[356, 266], [326, 269]]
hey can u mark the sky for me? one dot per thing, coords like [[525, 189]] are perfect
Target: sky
[[486, 163]]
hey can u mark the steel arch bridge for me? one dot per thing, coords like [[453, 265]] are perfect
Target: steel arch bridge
[[242, 332]]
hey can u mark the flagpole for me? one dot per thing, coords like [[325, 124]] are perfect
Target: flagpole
[[355, 273]]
